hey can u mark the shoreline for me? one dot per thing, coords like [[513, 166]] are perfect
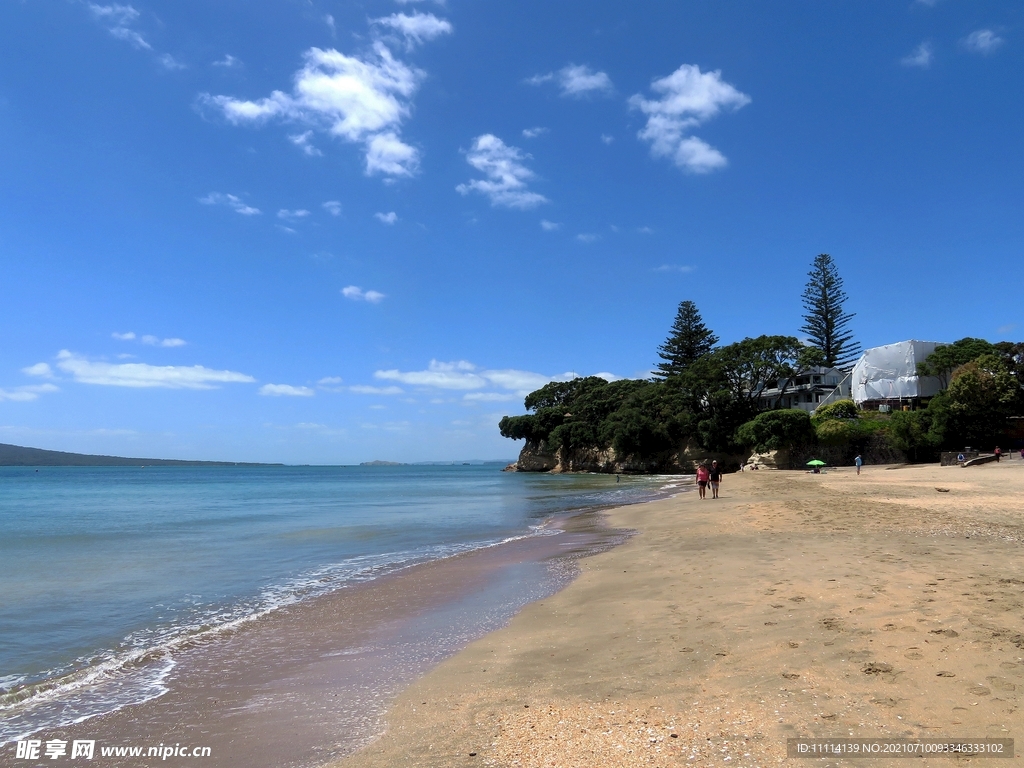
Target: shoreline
[[318, 675], [830, 605]]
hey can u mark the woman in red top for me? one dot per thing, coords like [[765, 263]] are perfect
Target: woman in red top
[[702, 479]]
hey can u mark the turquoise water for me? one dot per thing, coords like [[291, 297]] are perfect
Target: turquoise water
[[101, 567]]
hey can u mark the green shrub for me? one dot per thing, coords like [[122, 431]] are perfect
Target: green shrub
[[840, 409], [773, 430]]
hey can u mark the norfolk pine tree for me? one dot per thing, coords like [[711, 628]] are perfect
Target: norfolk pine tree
[[827, 326], [689, 340]]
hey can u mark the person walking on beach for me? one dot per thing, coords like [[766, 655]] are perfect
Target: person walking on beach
[[999, 453], [714, 478], [859, 462], [702, 479]]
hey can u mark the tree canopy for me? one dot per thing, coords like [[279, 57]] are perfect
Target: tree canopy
[[688, 341], [825, 322]]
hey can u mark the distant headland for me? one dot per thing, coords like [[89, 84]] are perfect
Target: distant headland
[[20, 456]]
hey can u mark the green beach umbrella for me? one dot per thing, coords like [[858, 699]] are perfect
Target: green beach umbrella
[[815, 463]]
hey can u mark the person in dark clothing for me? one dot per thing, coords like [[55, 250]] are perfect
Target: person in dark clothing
[[714, 478]]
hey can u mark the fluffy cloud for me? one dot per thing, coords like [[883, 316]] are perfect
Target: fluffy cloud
[[983, 41], [154, 341], [466, 377], [362, 389], [333, 207], [304, 142], [228, 61], [532, 133], [42, 370], [921, 57], [507, 177], [144, 375], [417, 28], [362, 100], [686, 98], [587, 237], [285, 390], [355, 293], [386, 218], [27, 393], [577, 81], [284, 213], [119, 19], [231, 201], [158, 342], [549, 226]]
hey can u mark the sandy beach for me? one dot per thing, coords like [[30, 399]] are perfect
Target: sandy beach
[[888, 604]]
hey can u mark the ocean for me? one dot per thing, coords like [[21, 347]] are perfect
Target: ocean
[[105, 573]]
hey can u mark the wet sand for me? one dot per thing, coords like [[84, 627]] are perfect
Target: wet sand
[[830, 605], [310, 682]]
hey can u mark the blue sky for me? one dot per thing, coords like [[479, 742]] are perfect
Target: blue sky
[[330, 232]]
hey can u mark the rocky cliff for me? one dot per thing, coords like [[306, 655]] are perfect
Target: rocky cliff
[[538, 457]]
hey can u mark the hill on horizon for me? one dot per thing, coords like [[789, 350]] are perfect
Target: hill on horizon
[[20, 456]]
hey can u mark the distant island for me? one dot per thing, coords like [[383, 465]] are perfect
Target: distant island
[[379, 463], [19, 456]]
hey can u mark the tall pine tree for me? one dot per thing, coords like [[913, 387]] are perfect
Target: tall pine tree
[[827, 326], [690, 339]]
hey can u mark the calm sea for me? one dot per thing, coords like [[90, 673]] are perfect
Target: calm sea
[[103, 569]]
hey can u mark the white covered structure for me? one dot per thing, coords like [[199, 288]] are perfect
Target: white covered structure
[[887, 374]]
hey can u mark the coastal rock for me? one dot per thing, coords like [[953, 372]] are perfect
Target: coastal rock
[[538, 457], [769, 460]]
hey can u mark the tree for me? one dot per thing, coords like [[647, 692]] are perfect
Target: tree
[[947, 358], [689, 341], [753, 365], [773, 430], [827, 325]]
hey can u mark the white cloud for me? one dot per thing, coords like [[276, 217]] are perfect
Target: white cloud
[[605, 138], [169, 62], [124, 336], [360, 100], [355, 293], [304, 142], [645, 231], [158, 342], [386, 218], [983, 41], [144, 375], [27, 393], [457, 375], [287, 215], [506, 180], [333, 207], [286, 390], [490, 397], [464, 376], [532, 133], [329, 21], [362, 389], [921, 56], [577, 81], [118, 19], [417, 28], [42, 370], [549, 226], [228, 61], [587, 237], [681, 268], [687, 98], [231, 201]]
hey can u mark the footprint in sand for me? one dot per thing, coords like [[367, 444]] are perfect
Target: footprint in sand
[[945, 674]]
